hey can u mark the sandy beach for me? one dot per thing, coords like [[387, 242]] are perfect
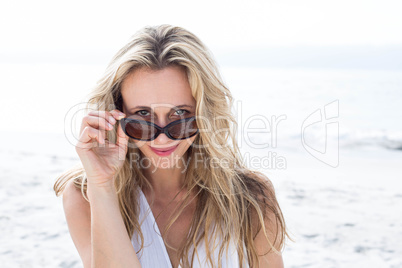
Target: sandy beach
[[339, 217]]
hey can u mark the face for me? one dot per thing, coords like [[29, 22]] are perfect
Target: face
[[160, 97]]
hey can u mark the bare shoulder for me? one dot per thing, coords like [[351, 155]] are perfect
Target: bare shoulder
[[72, 193], [78, 216], [267, 257], [273, 224]]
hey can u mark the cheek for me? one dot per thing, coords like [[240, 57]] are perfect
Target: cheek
[[140, 144], [187, 143]]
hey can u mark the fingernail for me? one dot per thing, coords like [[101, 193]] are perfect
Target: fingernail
[[109, 126], [111, 119]]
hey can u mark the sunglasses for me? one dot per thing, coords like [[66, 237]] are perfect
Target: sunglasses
[[148, 131]]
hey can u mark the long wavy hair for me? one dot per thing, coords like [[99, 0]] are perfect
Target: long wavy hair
[[234, 202]]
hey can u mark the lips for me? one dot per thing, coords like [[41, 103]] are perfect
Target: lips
[[164, 151]]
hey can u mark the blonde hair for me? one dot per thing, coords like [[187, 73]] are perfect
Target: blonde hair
[[233, 201]]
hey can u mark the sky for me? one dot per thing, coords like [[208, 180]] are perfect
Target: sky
[[92, 31], [70, 43]]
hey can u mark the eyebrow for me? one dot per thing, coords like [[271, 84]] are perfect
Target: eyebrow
[[148, 108]]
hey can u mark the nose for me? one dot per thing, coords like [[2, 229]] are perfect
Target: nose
[[162, 138]]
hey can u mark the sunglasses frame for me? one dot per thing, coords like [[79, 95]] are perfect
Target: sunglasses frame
[[159, 130]]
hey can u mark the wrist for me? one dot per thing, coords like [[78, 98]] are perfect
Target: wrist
[[106, 184], [104, 190]]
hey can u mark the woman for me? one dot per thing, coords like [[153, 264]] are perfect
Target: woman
[[159, 157]]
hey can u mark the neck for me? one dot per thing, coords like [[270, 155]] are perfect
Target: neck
[[167, 182]]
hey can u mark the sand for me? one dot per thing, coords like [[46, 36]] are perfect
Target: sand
[[347, 216]]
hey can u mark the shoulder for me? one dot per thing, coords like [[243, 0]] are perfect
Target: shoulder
[[257, 184], [73, 198], [268, 245], [269, 236]]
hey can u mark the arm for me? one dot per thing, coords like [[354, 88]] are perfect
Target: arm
[[78, 217], [111, 245], [98, 230]]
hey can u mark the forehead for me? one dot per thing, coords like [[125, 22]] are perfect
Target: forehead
[[145, 87]]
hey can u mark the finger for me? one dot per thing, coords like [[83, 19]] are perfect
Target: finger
[[122, 142], [98, 122], [122, 138], [105, 115], [117, 114], [89, 134], [109, 117], [95, 122]]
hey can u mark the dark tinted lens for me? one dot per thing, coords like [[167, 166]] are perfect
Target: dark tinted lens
[[140, 131], [183, 130]]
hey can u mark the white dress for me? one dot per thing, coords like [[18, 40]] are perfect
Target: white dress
[[154, 253]]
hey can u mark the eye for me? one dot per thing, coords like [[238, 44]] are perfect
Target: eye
[[142, 113], [181, 111]]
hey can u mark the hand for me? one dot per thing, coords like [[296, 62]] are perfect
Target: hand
[[101, 159]]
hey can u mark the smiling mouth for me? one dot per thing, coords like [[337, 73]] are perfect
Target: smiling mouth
[[164, 151]]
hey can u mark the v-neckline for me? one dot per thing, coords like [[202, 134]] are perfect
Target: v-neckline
[[158, 233]]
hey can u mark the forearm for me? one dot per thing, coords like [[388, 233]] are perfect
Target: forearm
[[110, 244]]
